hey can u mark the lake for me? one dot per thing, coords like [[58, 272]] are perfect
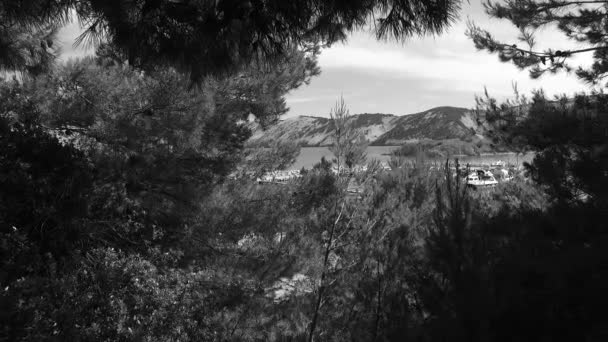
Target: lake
[[312, 155]]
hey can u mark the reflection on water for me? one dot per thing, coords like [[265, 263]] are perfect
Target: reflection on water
[[311, 155]]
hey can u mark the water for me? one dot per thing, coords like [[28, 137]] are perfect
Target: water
[[312, 155], [309, 156], [490, 158]]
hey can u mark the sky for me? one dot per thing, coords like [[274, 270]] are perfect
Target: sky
[[422, 73], [416, 75]]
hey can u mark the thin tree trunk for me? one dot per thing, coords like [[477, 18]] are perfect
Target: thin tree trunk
[[315, 317], [379, 303]]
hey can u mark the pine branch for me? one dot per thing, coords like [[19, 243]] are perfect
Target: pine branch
[[574, 3], [495, 9], [548, 54]]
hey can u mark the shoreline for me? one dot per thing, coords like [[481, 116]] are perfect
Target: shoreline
[[311, 155]]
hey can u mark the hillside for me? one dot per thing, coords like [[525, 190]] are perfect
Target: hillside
[[316, 131], [441, 123]]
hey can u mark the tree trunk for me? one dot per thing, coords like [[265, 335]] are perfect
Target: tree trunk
[[315, 317]]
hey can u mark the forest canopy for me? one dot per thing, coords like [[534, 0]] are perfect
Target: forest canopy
[[204, 38], [130, 208]]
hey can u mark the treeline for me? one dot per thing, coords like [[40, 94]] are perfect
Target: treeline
[[121, 225], [97, 250], [127, 212]]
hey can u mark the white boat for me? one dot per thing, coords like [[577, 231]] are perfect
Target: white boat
[[481, 179]]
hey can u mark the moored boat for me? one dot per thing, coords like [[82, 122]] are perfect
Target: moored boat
[[481, 179]]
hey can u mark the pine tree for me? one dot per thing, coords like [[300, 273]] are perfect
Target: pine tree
[[219, 37], [553, 254], [348, 145], [580, 21]]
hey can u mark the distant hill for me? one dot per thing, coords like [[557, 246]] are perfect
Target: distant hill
[[317, 131], [441, 123]]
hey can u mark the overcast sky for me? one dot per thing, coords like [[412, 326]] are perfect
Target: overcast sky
[[389, 77], [422, 73]]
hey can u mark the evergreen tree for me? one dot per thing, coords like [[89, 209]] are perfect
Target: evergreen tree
[[581, 21], [259, 160], [117, 220], [544, 257], [348, 145], [105, 171], [219, 37]]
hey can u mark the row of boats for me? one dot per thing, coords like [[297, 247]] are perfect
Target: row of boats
[[279, 176], [480, 177]]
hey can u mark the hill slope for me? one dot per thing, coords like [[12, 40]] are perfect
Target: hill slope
[[317, 131], [441, 123]]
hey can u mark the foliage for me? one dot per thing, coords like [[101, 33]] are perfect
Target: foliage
[[26, 45], [45, 190], [569, 135], [323, 165], [101, 158], [546, 243], [506, 263], [26, 50], [348, 144], [201, 38], [319, 186], [358, 252], [581, 21], [259, 262], [259, 160], [118, 221], [448, 148]]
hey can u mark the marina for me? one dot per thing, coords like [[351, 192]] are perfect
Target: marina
[[479, 175], [309, 156]]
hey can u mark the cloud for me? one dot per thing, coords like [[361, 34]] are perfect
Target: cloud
[[450, 59], [411, 76], [306, 99], [423, 73]]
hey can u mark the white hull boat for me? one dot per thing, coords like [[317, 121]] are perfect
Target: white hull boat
[[481, 179]]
